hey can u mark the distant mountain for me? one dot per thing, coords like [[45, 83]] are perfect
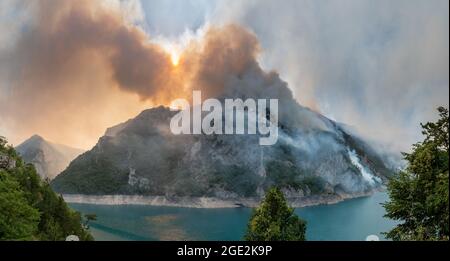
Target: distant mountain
[[48, 158], [313, 156]]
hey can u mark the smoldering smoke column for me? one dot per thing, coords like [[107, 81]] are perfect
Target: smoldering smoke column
[[80, 68]]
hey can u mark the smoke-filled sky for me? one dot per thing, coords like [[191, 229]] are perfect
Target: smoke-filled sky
[[70, 69]]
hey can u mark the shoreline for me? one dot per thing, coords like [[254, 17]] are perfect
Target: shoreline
[[205, 202]]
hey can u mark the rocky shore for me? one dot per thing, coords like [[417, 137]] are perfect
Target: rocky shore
[[203, 202]]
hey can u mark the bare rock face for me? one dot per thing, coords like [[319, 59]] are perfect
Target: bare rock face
[[6, 162], [48, 158]]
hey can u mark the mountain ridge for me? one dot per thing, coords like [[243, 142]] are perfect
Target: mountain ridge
[[142, 157], [48, 158]]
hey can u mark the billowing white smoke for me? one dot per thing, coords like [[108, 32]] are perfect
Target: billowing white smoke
[[365, 172]]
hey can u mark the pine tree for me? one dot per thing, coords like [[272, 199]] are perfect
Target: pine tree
[[274, 220]]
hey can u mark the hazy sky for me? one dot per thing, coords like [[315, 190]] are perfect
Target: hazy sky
[[379, 66]]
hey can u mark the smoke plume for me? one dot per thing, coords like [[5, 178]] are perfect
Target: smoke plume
[[79, 67]]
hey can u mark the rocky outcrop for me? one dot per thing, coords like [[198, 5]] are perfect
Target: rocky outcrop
[[7, 162]]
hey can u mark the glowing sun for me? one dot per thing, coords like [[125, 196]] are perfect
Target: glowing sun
[[173, 49], [175, 58]]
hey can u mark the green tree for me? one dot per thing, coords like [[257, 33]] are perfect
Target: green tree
[[2, 142], [57, 219], [274, 220], [29, 208], [419, 194], [18, 220], [88, 218]]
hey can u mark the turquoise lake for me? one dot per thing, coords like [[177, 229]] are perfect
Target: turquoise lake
[[353, 219]]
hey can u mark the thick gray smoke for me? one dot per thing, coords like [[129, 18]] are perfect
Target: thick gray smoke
[[82, 67], [380, 66]]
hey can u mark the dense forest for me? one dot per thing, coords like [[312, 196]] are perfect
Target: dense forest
[[419, 194], [29, 208]]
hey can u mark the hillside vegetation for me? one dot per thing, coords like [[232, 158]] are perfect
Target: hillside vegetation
[[29, 209]]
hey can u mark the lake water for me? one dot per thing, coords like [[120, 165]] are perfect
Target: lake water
[[353, 219]]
